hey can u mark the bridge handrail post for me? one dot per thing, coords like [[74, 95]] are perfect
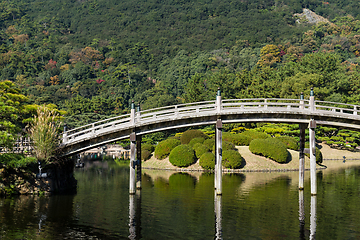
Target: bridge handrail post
[[65, 139], [302, 101], [132, 114], [355, 111], [265, 103], [138, 113], [218, 101], [312, 100]]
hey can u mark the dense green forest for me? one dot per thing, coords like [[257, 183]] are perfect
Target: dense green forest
[[92, 58]]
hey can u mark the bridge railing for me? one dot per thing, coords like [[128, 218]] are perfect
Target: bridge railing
[[264, 103], [337, 107], [93, 128], [206, 107], [174, 111]]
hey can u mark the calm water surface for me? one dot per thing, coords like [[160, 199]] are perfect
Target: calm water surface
[[183, 206]]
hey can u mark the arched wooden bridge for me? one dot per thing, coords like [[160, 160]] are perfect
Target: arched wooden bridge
[[218, 112], [206, 113]]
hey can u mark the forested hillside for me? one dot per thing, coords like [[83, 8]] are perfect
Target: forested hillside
[[92, 58]]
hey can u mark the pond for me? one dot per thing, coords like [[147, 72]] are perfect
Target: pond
[[174, 205]]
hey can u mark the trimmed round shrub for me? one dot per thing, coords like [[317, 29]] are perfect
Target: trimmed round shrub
[[318, 154], [237, 139], [163, 149], [196, 140], [231, 159], [207, 161], [191, 134], [255, 134], [271, 148], [147, 146], [145, 154], [225, 146], [182, 156], [200, 149], [210, 143], [289, 142]]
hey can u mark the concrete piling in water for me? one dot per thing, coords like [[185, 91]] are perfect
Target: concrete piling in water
[[218, 146], [132, 181], [302, 157]]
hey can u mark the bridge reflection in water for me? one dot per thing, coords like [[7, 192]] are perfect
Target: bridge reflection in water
[[135, 216]]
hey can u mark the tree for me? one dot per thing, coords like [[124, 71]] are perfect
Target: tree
[[11, 109]]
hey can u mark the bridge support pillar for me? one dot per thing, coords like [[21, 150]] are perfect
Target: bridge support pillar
[[312, 127], [218, 157], [302, 157], [132, 186], [138, 165]]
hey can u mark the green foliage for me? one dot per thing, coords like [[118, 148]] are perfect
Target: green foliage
[[13, 160], [43, 133], [147, 146], [145, 154], [207, 161], [253, 134], [188, 135], [231, 159], [271, 148], [200, 149], [225, 146], [11, 108], [289, 142], [163, 149], [182, 156], [210, 143], [196, 140], [237, 139]]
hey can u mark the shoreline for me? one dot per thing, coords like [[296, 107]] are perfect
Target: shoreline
[[255, 163]]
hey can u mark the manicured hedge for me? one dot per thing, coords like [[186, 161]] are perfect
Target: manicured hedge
[[271, 148], [289, 142], [147, 146], [237, 139], [196, 140], [225, 146], [200, 149], [207, 161], [182, 156], [191, 134], [318, 153], [145, 154], [163, 149], [231, 159], [210, 143], [255, 134]]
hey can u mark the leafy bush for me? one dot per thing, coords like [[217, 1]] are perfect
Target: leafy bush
[[200, 149], [271, 148], [318, 153], [207, 161], [191, 134], [196, 140], [163, 149], [13, 160], [255, 134], [145, 154], [210, 143], [237, 139], [225, 146], [182, 156], [231, 159], [147, 146], [289, 142]]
